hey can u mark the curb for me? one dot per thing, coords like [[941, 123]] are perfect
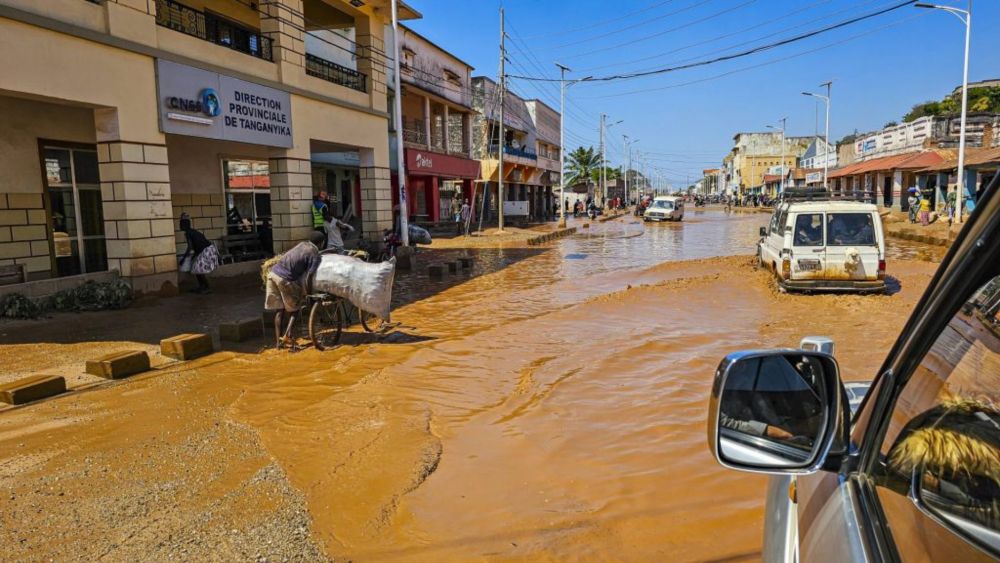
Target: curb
[[551, 236], [925, 239]]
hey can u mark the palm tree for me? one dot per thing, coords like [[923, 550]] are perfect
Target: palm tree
[[583, 162]]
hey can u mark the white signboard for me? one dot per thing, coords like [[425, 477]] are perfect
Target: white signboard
[[515, 208], [814, 177], [200, 103]]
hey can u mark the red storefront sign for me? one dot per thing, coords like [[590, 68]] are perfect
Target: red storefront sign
[[428, 163]]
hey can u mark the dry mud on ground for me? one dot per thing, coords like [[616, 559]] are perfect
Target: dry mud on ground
[[504, 424]]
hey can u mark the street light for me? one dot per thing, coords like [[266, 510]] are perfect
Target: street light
[[781, 188], [965, 16], [562, 138], [628, 165], [826, 136], [604, 176]]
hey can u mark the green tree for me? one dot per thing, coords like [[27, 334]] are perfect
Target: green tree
[[581, 165]]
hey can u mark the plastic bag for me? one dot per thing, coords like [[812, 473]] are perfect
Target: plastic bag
[[367, 286], [419, 235], [185, 265]]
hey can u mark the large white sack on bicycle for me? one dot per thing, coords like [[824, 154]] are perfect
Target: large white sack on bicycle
[[367, 286]]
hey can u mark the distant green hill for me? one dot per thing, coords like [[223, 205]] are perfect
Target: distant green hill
[[985, 98]]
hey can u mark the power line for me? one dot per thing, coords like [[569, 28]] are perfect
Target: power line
[[632, 26], [763, 64], [740, 54], [664, 32], [737, 32], [601, 23]]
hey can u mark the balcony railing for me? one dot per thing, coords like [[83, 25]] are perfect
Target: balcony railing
[[213, 29], [333, 72], [523, 153], [416, 136]]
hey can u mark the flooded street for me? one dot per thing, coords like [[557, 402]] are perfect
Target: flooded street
[[549, 407]]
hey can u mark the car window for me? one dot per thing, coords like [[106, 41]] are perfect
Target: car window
[[850, 229], [942, 446], [776, 400], [809, 229]]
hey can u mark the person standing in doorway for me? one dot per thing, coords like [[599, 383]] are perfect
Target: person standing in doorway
[[320, 213], [201, 256], [465, 216]]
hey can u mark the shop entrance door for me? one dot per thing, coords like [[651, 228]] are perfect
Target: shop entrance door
[[76, 216], [248, 195]]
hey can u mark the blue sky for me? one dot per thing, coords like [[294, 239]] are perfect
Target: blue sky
[[685, 120]]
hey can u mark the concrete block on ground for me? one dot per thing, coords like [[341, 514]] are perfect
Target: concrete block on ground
[[405, 258], [240, 331], [452, 266], [435, 270], [119, 364], [187, 346], [466, 262], [32, 388]]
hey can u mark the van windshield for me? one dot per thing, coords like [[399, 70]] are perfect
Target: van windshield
[[662, 205], [850, 229]]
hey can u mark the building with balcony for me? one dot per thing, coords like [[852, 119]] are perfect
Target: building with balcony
[[119, 115], [529, 126], [437, 128], [755, 153]]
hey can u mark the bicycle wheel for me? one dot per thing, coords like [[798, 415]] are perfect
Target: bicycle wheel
[[370, 322], [326, 322]]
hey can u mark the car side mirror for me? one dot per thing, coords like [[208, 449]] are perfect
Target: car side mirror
[[775, 411], [763, 231]]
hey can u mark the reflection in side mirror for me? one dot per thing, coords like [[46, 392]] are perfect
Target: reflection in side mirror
[[774, 411], [763, 231]]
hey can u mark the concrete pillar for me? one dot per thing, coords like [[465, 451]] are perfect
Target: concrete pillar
[[427, 120], [138, 214], [897, 190], [291, 197], [376, 196], [370, 38], [433, 199], [444, 130], [879, 188], [467, 134], [282, 21], [970, 185]]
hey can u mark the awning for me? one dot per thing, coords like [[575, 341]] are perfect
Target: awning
[[907, 161], [973, 157]]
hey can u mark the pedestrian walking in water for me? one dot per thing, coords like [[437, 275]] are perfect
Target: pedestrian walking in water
[[201, 257]]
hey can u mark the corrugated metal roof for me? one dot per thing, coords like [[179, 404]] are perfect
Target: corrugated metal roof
[[907, 161]]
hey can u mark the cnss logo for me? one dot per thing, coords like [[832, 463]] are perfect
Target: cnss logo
[[210, 103]]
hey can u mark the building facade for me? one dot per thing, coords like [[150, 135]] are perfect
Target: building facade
[[120, 115], [529, 126], [754, 153], [437, 128]]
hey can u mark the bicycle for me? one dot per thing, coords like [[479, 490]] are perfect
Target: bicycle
[[328, 315]]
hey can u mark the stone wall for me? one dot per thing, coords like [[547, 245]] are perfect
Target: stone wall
[[207, 213], [24, 234]]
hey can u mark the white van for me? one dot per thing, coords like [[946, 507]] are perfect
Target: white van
[[825, 246], [665, 208]]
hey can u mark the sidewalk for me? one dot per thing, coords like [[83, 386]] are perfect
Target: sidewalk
[[897, 225]]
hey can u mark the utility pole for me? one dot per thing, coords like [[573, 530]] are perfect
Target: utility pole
[[503, 136], [966, 18], [628, 162], [562, 145], [397, 110], [601, 178], [826, 135]]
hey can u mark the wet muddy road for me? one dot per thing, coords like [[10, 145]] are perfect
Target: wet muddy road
[[550, 408]]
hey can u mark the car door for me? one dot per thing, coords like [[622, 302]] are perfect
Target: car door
[[921, 481], [853, 245], [808, 254]]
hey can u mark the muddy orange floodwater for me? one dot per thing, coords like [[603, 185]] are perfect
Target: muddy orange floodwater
[[550, 408]]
